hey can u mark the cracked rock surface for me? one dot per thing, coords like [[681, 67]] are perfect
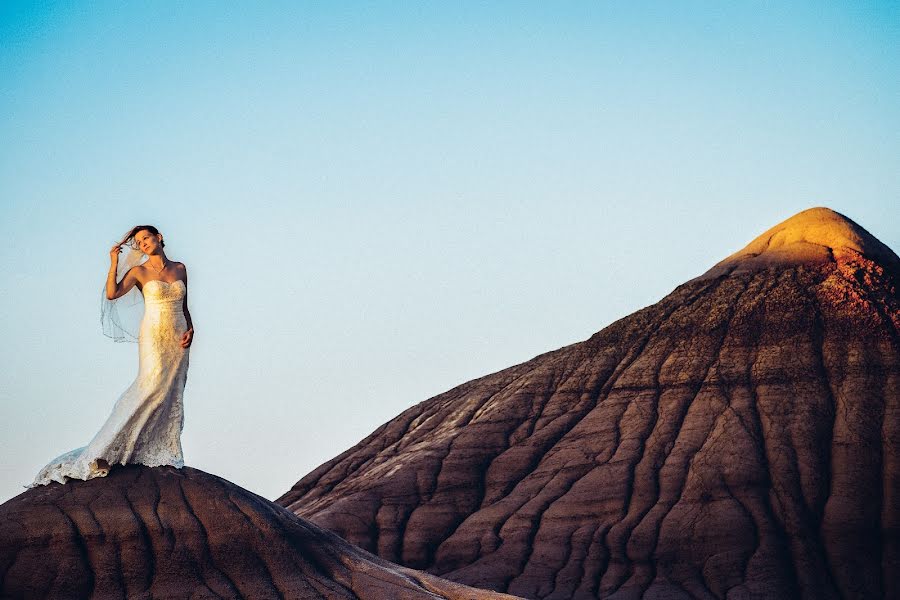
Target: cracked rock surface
[[740, 438], [162, 532]]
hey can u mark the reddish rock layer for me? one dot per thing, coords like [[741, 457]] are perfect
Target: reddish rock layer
[[741, 437], [182, 533]]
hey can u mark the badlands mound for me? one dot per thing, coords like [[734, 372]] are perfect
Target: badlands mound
[[740, 438], [162, 532]]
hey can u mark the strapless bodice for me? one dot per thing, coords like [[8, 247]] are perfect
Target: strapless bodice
[[164, 293]]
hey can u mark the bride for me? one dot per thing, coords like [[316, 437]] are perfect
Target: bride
[[146, 421]]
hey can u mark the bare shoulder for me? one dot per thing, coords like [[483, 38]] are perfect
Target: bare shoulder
[[181, 268], [139, 272]]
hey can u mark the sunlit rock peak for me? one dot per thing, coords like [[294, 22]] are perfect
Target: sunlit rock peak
[[813, 236]]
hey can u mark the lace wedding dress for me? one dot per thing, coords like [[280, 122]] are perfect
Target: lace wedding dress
[[146, 421]]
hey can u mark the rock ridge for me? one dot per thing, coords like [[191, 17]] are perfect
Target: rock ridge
[[162, 532], [739, 438]]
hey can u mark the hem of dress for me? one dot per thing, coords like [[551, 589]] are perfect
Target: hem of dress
[[95, 474]]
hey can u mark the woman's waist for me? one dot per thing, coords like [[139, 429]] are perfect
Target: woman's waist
[[162, 310], [165, 305]]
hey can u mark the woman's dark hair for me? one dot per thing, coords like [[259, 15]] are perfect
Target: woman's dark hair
[[134, 231]]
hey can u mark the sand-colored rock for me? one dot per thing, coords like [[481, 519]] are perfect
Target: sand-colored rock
[[813, 236], [739, 439], [181, 533]]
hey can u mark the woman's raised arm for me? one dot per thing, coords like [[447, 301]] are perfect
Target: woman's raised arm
[[114, 290]]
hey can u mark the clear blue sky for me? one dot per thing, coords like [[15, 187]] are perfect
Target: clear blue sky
[[379, 201]]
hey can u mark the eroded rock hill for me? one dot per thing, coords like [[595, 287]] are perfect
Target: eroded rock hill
[[163, 532], [739, 438]]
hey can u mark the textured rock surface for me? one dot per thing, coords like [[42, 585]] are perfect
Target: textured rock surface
[[739, 438], [182, 533]]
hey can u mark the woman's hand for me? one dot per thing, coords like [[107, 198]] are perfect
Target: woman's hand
[[114, 254], [187, 338]]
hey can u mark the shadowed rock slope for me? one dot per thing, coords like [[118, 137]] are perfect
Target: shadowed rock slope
[[739, 438], [162, 532]]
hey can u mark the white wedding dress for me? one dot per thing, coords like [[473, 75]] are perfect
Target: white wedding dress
[[146, 421]]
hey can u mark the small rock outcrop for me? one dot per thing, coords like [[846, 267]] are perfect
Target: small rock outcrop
[[740, 438], [162, 532]]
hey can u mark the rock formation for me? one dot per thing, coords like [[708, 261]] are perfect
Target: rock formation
[[740, 438], [163, 532]]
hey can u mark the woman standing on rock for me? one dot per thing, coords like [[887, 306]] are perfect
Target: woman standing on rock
[[146, 421]]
